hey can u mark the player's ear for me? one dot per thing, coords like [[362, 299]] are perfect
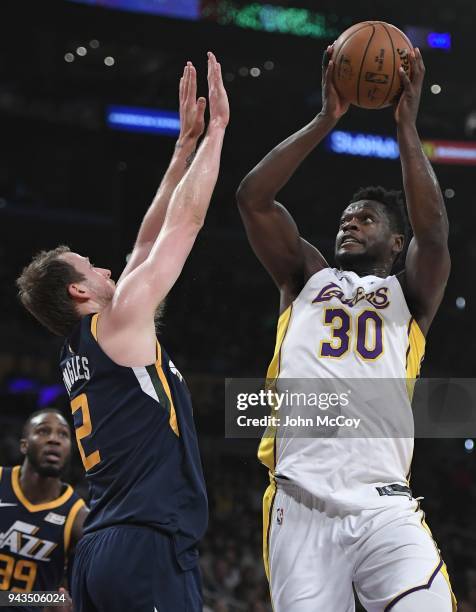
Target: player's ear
[[23, 446], [399, 241], [78, 291]]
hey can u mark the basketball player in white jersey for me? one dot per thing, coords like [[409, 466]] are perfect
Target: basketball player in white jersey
[[339, 510]]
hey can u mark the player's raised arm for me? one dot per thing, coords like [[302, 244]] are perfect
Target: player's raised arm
[[271, 230], [131, 312], [192, 124], [427, 265]]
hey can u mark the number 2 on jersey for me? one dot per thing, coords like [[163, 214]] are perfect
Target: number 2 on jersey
[[81, 403], [369, 345]]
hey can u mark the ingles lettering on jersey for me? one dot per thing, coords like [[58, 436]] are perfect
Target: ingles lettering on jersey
[[378, 299], [20, 539], [76, 368]]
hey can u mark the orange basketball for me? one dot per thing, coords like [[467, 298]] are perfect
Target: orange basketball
[[366, 58]]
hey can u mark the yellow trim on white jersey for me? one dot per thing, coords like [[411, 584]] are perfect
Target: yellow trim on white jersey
[[268, 504], [415, 354], [266, 450]]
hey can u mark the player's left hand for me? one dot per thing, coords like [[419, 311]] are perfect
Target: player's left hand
[[192, 111], [406, 109], [217, 97]]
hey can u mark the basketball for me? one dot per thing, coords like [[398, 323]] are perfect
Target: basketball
[[366, 58]]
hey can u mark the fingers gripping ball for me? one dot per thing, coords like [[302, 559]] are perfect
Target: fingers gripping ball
[[367, 57]]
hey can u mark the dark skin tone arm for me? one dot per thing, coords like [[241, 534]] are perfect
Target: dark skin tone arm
[[427, 264], [271, 230]]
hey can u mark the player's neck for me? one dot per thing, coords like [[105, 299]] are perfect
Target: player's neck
[[365, 269], [36, 488]]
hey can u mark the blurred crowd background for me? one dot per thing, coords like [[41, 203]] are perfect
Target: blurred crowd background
[[67, 175]]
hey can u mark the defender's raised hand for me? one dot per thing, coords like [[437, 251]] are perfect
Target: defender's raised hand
[[406, 109], [217, 97], [332, 104], [192, 111]]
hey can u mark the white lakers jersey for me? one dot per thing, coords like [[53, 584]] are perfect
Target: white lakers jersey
[[357, 334]]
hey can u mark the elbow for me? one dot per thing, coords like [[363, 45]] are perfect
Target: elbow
[[243, 193], [250, 199]]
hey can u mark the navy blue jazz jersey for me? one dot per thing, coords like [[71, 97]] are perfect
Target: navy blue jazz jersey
[[34, 538], [138, 443]]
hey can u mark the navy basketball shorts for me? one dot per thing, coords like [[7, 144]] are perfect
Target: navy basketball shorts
[[135, 569]]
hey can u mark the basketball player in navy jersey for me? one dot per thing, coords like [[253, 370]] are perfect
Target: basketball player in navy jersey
[[131, 407], [339, 511], [41, 518]]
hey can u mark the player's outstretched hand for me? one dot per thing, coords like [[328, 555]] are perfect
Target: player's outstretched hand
[[192, 111], [332, 104], [217, 98], [406, 109]]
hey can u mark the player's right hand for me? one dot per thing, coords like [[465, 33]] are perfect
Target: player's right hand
[[217, 97], [332, 104], [192, 111]]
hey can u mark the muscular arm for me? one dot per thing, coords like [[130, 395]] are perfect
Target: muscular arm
[[427, 265], [271, 230], [191, 128], [126, 327]]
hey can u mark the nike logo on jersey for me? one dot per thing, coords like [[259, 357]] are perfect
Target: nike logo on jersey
[[5, 504]]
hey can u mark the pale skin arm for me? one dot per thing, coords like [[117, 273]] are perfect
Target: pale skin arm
[[427, 264], [126, 327], [192, 124]]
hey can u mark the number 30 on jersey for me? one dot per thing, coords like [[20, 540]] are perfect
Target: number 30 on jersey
[[366, 327]]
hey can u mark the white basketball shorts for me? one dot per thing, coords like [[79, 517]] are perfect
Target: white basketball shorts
[[313, 556]]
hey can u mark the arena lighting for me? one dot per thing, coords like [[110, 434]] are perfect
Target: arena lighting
[[426, 39], [264, 17], [386, 147], [450, 152], [439, 40], [22, 385], [364, 145], [181, 9], [137, 119], [49, 394]]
